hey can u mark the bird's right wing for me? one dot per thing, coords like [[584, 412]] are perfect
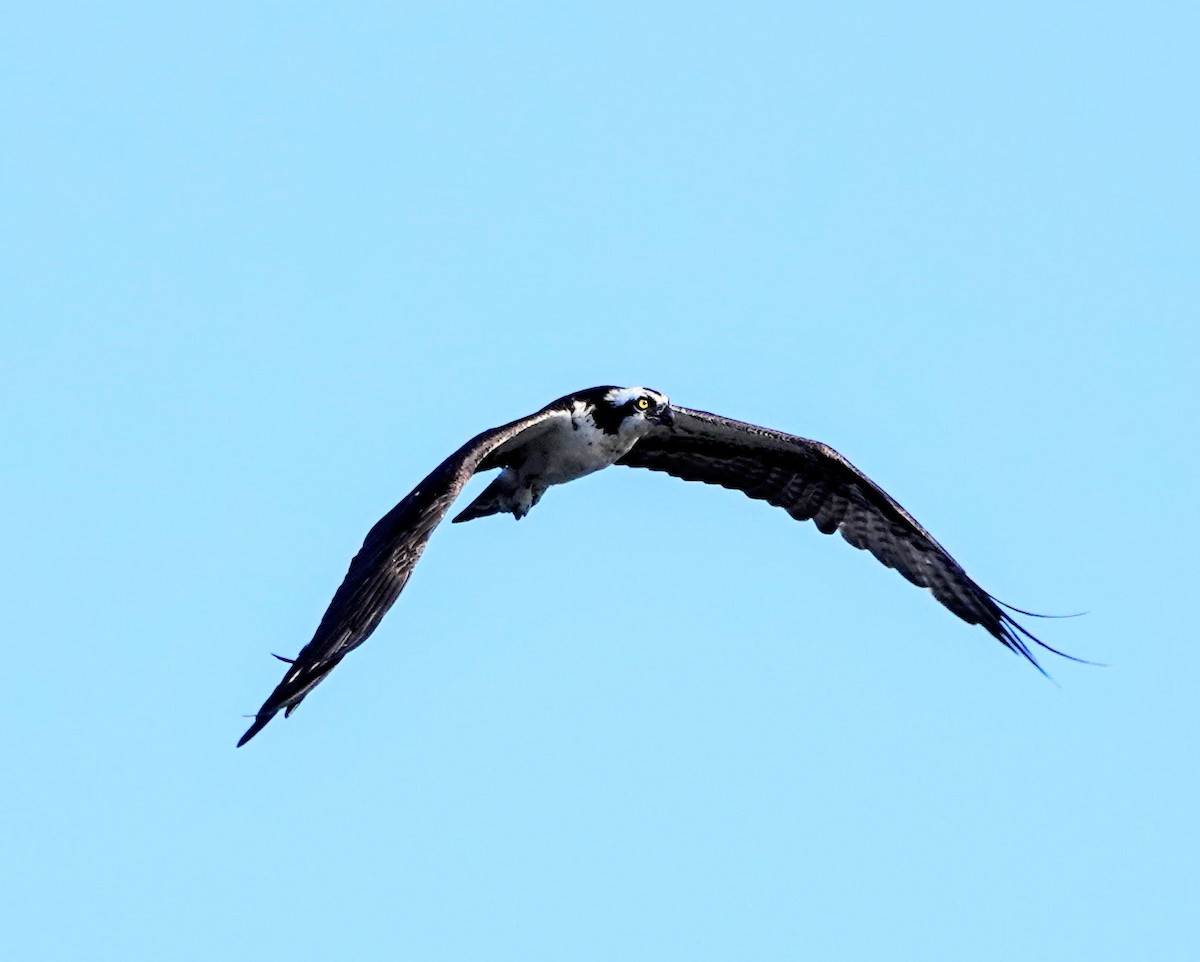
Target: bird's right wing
[[383, 565]]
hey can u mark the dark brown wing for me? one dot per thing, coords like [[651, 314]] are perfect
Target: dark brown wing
[[811, 481], [382, 567]]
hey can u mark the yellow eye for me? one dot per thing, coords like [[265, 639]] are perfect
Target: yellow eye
[[643, 403]]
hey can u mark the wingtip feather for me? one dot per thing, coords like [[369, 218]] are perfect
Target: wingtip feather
[[260, 722], [1015, 634]]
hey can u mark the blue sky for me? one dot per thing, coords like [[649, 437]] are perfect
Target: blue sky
[[265, 265]]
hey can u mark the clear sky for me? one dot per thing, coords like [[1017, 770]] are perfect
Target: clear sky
[[266, 264]]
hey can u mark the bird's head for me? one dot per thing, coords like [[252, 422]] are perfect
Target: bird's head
[[638, 408]]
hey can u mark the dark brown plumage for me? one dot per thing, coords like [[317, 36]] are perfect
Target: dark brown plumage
[[811, 481], [382, 567], [637, 427]]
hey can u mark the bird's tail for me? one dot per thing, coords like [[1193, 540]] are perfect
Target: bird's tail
[[497, 497]]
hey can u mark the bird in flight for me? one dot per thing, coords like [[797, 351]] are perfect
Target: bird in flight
[[639, 428]]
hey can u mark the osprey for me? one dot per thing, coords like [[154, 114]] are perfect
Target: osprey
[[639, 428]]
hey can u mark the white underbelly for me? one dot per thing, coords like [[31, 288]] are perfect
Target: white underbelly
[[574, 452]]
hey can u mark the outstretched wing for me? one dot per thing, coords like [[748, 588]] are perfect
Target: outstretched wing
[[811, 481], [383, 565]]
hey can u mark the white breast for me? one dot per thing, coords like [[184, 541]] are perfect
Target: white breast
[[572, 448]]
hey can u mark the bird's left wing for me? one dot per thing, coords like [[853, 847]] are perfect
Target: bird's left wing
[[811, 481], [383, 565]]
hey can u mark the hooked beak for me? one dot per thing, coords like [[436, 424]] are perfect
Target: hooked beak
[[665, 417]]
